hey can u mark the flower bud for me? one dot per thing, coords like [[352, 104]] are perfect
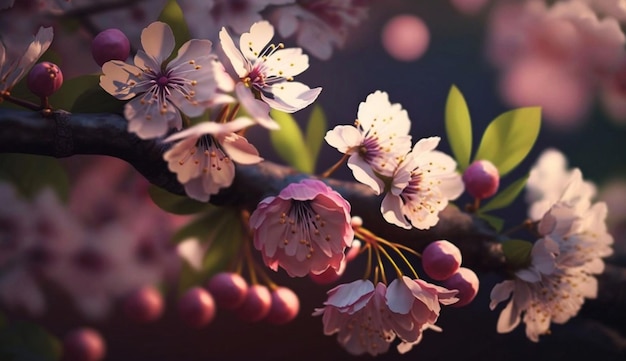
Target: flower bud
[[441, 259], [285, 306], [466, 281], [44, 79], [228, 290], [83, 344], [256, 305], [110, 44], [196, 307], [481, 179], [143, 305]]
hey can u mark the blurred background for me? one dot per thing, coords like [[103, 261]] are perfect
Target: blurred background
[[501, 55]]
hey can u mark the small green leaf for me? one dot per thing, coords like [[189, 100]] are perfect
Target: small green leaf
[[508, 138], [289, 142], [97, 100], [174, 203], [32, 173], [72, 89], [28, 341], [495, 222], [315, 132], [459, 127], [173, 16], [507, 196], [517, 253]]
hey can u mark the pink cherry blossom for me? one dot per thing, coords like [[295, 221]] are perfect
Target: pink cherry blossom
[[306, 228], [415, 306], [357, 311], [320, 25], [266, 72], [206, 17], [202, 159], [160, 90], [377, 142], [421, 187]]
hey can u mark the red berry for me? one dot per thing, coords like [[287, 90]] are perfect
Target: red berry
[[144, 305], [285, 306], [256, 305], [44, 79], [83, 344], [441, 259], [481, 179], [466, 281], [228, 290], [196, 307], [110, 44]]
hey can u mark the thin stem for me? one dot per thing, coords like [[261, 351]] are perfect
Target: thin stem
[[221, 116], [261, 272], [395, 266], [250, 263], [330, 170], [406, 261], [380, 264], [23, 103], [368, 267], [528, 224], [233, 112]]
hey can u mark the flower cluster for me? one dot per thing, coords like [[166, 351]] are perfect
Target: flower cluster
[[368, 318], [419, 181], [573, 240]]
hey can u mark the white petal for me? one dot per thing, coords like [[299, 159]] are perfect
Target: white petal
[[362, 172], [290, 96], [253, 43], [425, 145], [239, 150], [509, 318], [391, 208], [117, 77], [257, 109], [344, 138], [157, 41], [287, 62], [237, 59]]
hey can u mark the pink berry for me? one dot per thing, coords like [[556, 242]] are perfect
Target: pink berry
[[44, 79], [256, 305], [441, 259], [144, 305], [196, 307], [83, 344], [228, 290], [466, 281], [285, 306], [481, 179], [110, 44]]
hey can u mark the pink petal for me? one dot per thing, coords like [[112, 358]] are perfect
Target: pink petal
[[237, 59], [157, 41]]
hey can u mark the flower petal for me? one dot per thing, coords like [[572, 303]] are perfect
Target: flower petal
[[344, 138], [233, 54], [253, 43], [239, 150], [157, 41], [291, 96]]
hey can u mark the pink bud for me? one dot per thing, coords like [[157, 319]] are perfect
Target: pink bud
[[285, 306], [441, 259], [110, 44], [196, 307], [83, 344], [228, 290], [481, 179], [143, 305], [256, 305], [44, 79], [466, 281]]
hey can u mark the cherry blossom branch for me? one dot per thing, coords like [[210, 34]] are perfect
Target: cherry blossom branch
[[61, 134]]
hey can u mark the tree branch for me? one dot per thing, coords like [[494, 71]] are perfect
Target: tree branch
[[62, 134]]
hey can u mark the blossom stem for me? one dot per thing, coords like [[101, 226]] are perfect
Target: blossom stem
[[221, 116], [233, 112], [528, 224], [23, 103], [261, 272], [368, 267], [406, 261], [395, 266], [380, 264], [250, 263], [335, 166]]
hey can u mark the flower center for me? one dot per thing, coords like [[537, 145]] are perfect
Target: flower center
[[162, 81], [302, 225]]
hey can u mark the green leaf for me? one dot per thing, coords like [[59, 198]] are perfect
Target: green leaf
[[173, 16], [28, 341], [459, 127], [72, 89], [517, 253], [31, 173], [508, 138], [97, 100], [174, 203], [315, 132], [495, 222], [289, 142], [221, 229], [507, 196]]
